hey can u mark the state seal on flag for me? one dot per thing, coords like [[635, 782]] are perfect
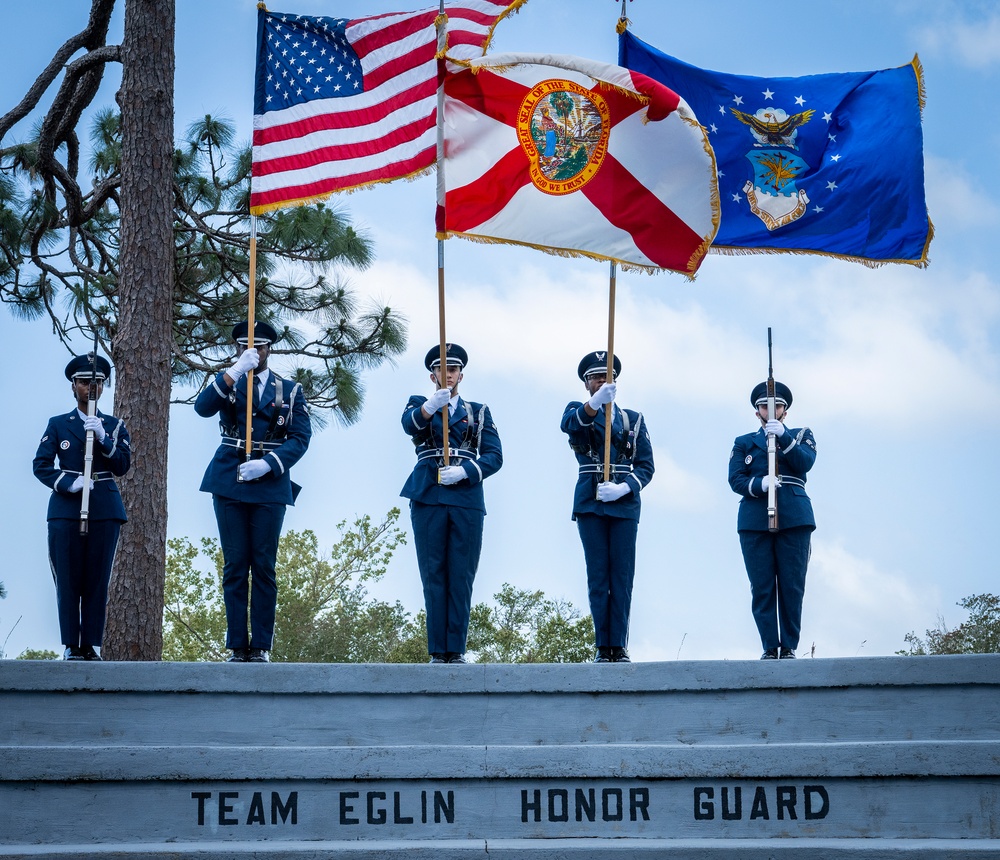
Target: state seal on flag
[[563, 128]]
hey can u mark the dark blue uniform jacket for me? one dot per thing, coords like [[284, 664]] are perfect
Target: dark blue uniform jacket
[[586, 437], [748, 466], [281, 433], [66, 440], [475, 446]]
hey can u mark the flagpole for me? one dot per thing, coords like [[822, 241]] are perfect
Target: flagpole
[[609, 407], [443, 368], [251, 324]]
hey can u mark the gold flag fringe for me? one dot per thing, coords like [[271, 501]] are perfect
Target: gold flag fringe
[[512, 9], [918, 70], [733, 251], [476, 66], [625, 265], [319, 198], [442, 21], [716, 202]]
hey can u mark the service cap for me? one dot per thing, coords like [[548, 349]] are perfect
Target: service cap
[[454, 354], [782, 394], [83, 366], [262, 332], [597, 362]]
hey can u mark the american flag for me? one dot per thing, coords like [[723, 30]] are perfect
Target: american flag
[[341, 104]]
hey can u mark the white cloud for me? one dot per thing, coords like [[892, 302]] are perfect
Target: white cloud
[[854, 608], [955, 198], [971, 43]]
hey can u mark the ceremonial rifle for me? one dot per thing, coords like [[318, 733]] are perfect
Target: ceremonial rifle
[[88, 455], [772, 447]]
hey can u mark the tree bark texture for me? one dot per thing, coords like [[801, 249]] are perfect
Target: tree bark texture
[[142, 346]]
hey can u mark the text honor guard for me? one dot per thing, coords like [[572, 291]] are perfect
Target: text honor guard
[[447, 506], [250, 495], [80, 455], [607, 512], [776, 561]]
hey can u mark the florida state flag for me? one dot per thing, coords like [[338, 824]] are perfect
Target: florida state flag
[[577, 158]]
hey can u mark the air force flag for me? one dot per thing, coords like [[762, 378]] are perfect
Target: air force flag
[[824, 164]]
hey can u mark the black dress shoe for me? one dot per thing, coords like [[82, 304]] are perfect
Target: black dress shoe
[[787, 654], [603, 655], [457, 658], [90, 654], [73, 652], [438, 658], [239, 655], [258, 655], [620, 655], [770, 654]]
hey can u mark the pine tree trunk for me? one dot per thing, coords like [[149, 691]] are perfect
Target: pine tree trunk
[[141, 349]]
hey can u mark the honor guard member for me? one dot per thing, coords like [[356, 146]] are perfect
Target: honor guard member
[[447, 507], [250, 495], [775, 561], [81, 563], [607, 513]]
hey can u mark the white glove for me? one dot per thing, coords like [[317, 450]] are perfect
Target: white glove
[[451, 475], [438, 399], [605, 394], [254, 469], [774, 428], [77, 485], [248, 360], [92, 422], [765, 483], [611, 492]]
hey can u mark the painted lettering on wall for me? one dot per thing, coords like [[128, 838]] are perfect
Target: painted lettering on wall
[[782, 803], [232, 808], [439, 807], [584, 804]]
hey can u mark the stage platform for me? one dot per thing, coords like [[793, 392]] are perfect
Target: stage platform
[[894, 757]]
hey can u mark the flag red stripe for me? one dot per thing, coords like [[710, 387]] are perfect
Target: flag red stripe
[[501, 103], [620, 105], [659, 233], [345, 119], [393, 33], [485, 197], [402, 65], [320, 188], [339, 152], [404, 47]]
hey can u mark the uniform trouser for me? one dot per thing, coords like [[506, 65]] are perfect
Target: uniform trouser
[[81, 569], [609, 550], [249, 534], [448, 541], [776, 563]]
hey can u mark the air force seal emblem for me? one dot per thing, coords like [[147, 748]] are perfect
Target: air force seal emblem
[[772, 194], [563, 128]]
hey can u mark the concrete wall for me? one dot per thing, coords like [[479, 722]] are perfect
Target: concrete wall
[[872, 757]]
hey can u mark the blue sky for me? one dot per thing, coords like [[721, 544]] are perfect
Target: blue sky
[[896, 370]]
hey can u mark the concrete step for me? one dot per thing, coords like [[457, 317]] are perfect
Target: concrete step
[[864, 757]]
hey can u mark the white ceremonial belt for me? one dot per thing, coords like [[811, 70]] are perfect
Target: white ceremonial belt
[[598, 469], [254, 446], [438, 453], [795, 482]]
